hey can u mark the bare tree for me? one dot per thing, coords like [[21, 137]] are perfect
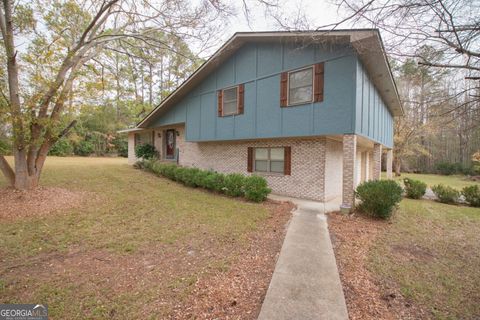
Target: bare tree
[[450, 27], [73, 33]]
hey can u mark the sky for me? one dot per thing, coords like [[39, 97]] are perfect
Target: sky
[[317, 12]]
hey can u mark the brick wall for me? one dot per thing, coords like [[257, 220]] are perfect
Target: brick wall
[[318, 170], [349, 169], [377, 161], [307, 171]]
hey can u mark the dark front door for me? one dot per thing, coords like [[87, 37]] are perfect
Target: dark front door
[[170, 144]]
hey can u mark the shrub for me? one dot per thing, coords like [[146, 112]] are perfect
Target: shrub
[[145, 151], [234, 185], [446, 194], [61, 148], [201, 178], [190, 177], [446, 168], [414, 189], [215, 181], [472, 195], [378, 198], [84, 148], [256, 188], [151, 165], [168, 170]]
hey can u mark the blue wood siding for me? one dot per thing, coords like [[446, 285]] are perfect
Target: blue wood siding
[[351, 103], [372, 117]]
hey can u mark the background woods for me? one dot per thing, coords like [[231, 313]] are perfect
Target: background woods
[[434, 47], [74, 72], [104, 63]]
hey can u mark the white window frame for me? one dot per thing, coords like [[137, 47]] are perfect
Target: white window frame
[[236, 105], [269, 160], [288, 86]]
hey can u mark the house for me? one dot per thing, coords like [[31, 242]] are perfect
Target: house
[[312, 112]]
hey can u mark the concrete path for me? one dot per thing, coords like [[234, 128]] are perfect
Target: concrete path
[[305, 284]]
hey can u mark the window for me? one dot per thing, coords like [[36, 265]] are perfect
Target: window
[[270, 160], [300, 86], [230, 100]]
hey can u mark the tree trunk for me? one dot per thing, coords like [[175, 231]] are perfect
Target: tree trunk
[[24, 178], [397, 166]]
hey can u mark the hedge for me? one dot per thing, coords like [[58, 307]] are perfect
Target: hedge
[[414, 189], [446, 194], [472, 195], [253, 188], [379, 197]]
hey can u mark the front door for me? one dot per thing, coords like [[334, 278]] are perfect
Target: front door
[[170, 144]]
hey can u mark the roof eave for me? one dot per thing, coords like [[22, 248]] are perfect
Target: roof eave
[[372, 54]]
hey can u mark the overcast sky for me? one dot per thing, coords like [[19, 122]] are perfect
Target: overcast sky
[[318, 13]]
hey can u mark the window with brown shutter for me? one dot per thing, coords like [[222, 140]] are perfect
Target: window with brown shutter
[[318, 83], [283, 89], [220, 102], [231, 101], [302, 86], [250, 159], [287, 169], [241, 98]]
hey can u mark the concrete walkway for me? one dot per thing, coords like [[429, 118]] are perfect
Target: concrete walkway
[[305, 284]]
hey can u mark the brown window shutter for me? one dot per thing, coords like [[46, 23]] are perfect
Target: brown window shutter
[[318, 83], [287, 161], [241, 100], [250, 159], [283, 89], [220, 102]]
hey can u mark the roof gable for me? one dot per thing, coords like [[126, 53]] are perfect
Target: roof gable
[[366, 42]]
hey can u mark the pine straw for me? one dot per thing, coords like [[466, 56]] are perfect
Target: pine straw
[[352, 238], [42, 201], [239, 292]]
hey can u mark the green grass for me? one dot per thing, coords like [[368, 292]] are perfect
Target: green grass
[[455, 181], [432, 252], [128, 213]]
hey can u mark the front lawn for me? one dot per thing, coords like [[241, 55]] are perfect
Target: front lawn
[[132, 245], [455, 181], [421, 264]]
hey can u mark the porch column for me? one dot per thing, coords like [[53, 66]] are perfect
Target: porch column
[[389, 163], [348, 187], [377, 161]]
